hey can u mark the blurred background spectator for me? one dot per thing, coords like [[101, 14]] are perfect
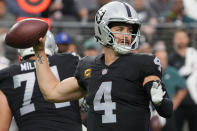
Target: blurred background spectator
[[160, 6], [145, 48], [159, 45], [146, 15], [190, 8], [184, 58], [177, 14], [15, 9], [86, 7], [87, 13], [5, 16], [61, 10], [4, 62], [64, 43], [91, 48], [145, 12]]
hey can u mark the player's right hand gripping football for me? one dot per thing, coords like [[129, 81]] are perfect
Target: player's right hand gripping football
[[40, 46], [157, 93]]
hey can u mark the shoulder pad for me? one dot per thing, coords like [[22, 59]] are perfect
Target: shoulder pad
[[88, 59]]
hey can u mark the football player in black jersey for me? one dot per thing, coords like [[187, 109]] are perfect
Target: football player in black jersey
[[20, 95], [118, 84]]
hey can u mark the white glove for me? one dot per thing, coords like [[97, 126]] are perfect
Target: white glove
[[157, 93]]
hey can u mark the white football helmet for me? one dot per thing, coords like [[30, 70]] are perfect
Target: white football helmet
[[50, 47], [116, 12]]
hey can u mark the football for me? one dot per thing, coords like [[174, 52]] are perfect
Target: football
[[155, 124], [26, 33]]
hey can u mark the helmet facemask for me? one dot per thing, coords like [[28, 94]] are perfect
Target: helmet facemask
[[125, 46]]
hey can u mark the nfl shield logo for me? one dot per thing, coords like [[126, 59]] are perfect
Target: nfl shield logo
[[104, 71]]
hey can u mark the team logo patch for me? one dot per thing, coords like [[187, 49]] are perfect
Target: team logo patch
[[87, 73], [34, 6], [99, 15], [104, 71]]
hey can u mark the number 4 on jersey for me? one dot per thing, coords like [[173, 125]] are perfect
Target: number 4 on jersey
[[108, 106]]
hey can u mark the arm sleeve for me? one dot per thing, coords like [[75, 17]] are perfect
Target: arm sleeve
[[165, 109]]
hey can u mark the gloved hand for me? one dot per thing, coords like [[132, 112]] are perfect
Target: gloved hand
[[157, 93]]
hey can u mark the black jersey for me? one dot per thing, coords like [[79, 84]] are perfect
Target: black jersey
[[31, 111], [116, 96]]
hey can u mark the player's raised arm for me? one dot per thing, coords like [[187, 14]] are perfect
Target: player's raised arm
[[52, 89]]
